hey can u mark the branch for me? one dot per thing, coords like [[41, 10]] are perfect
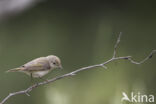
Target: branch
[[114, 57], [116, 45]]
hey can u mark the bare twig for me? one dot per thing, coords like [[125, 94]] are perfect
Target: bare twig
[[129, 58], [116, 45]]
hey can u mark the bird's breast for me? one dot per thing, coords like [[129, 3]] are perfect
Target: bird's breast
[[38, 74]]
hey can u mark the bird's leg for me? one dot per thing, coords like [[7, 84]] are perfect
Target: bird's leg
[[31, 78]]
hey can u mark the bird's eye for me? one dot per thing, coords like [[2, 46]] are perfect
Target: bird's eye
[[54, 63]]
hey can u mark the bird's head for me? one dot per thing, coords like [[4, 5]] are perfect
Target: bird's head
[[54, 62]]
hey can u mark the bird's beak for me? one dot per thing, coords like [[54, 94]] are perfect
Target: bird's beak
[[60, 67]]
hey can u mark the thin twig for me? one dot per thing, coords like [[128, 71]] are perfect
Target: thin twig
[[129, 58], [116, 45], [148, 57]]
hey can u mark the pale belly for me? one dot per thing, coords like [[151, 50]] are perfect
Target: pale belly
[[37, 74]]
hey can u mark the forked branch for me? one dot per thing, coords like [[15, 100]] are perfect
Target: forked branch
[[114, 57]]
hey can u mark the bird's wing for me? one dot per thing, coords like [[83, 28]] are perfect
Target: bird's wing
[[37, 64]]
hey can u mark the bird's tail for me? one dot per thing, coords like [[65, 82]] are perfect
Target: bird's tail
[[14, 70]]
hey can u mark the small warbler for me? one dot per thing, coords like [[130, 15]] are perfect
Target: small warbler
[[39, 67]]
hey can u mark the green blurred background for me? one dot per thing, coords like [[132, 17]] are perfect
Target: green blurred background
[[81, 33]]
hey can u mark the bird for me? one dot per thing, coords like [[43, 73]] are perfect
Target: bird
[[39, 67]]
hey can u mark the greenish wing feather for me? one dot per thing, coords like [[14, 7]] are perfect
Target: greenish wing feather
[[37, 65]]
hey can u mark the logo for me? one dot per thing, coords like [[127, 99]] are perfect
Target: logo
[[137, 97]]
